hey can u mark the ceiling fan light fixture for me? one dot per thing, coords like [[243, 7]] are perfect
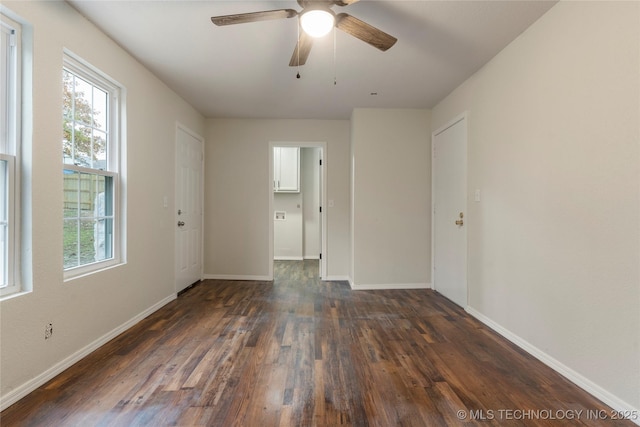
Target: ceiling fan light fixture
[[317, 22]]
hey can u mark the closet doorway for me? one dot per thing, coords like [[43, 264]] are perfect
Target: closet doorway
[[297, 222]]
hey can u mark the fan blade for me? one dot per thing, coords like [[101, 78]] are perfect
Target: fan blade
[[344, 2], [302, 50], [365, 32], [242, 18]]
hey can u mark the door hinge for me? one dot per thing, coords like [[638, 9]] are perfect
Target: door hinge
[[320, 162], [320, 209], [12, 38], [320, 256]]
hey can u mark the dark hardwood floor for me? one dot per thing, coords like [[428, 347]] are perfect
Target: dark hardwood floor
[[300, 352]]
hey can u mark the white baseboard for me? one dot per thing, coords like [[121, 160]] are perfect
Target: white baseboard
[[14, 395], [336, 279], [374, 287], [287, 258], [589, 386], [238, 277], [311, 257]]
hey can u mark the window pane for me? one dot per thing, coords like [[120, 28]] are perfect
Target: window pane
[[103, 239], [83, 104], [67, 95], [88, 213], [68, 151], [99, 150], [99, 108], [4, 224], [70, 243], [4, 270], [87, 250], [4, 190], [82, 145], [71, 185]]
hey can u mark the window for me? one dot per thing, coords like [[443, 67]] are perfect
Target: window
[[10, 91], [91, 175]]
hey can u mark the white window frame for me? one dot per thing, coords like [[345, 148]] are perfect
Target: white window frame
[[10, 145], [82, 69]]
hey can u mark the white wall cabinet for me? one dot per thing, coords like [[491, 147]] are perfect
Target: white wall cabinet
[[286, 169]]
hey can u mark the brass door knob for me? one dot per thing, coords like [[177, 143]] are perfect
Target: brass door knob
[[459, 222]]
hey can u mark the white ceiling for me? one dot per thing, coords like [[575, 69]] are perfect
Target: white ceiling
[[242, 70]]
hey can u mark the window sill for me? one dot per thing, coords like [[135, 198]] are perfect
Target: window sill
[[81, 272], [13, 295]]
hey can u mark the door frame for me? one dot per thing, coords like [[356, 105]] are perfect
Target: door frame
[[322, 145], [178, 128], [464, 117]]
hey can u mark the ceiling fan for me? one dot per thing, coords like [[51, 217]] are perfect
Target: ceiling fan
[[312, 10]]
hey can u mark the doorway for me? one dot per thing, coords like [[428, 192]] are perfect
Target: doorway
[[297, 220], [449, 181]]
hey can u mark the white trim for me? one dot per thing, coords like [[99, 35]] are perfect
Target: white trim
[[381, 286], [18, 393], [311, 257], [115, 136], [11, 149], [338, 279], [288, 258], [235, 277], [586, 384]]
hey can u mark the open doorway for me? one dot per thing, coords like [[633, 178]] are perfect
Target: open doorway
[[297, 226]]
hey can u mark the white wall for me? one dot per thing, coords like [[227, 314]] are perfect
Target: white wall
[[237, 192], [554, 254], [391, 214], [288, 233], [86, 310]]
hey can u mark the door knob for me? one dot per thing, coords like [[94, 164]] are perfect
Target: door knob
[[459, 222], [180, 223]]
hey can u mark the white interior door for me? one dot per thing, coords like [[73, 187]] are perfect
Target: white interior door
[[449, 209], [188, 218]]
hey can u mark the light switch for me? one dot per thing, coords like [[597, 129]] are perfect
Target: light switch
[[476, 196]]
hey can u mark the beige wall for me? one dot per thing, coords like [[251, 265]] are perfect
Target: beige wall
[[237, 191], [554, 148], [86, 310], [391, 211]]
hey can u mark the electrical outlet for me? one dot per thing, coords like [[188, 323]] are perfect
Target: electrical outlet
[[48, 331]]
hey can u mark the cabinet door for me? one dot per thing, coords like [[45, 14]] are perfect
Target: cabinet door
[[276, 168], [289, 166]]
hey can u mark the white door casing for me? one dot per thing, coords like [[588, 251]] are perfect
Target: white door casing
[[449, 180], [188, 215], [323, 201]]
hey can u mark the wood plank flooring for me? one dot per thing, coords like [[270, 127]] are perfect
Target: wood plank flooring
[[300, 352]]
